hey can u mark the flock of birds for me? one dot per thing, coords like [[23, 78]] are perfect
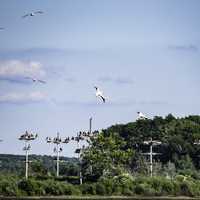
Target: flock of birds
[[81, 136]]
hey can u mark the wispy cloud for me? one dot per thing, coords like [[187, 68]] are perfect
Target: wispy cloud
[[16, 70], [21, 98], [118, 80], [109, 103], [190, 48], [70, 79]]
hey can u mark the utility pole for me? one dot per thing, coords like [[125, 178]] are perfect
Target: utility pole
[[0, 160], [78, 151], [151, 153], [26, 148], [90, 126], [57, 141], [27, 137], [80, 136]]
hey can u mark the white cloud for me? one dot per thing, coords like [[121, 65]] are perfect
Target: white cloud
[[18, 98], [118, 80], [14, 70]]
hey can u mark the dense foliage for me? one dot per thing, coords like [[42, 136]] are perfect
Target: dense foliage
[[120, 148], [118, 185]]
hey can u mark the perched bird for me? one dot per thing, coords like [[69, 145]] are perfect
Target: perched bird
[[141, 115], [35, 79], [32, 14], [99, 94]]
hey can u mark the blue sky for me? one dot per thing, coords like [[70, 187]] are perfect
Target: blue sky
[[143, 54]]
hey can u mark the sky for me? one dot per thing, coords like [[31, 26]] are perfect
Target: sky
[[144, 56]]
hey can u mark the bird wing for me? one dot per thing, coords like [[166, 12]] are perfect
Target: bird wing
[[1, 28], [41, 81], [26, 15], [103, 98], [39, 12], [28, 77]]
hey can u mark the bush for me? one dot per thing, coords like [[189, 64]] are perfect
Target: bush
[[69, 189], [100, 189], [156, 184], [188, 188], [8, 188], [29, 186], [144, 189], [88, 189], [108, 184], [123, 184], [53, 188], [167, 187]]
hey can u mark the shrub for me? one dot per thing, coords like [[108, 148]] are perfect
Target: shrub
[[69, 189], [167, 187], [188, 188], [53, 188], [156, 184], [88, 189], [108, 184], [144, 189], [100, 189], [123, 184], [29, 186], [8, 188]]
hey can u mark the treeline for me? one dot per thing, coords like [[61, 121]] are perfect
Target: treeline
[[39, 165]]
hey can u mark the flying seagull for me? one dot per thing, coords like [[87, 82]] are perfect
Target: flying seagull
[[35, 79], [32, 14], [99, 94], [141, 115]]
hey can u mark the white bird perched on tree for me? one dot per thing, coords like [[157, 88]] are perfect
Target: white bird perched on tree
[[35, 79], [99, 94], [32, 14], [141, 115]]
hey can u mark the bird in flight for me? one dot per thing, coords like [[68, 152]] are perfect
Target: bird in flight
[[99, 94], [2, 28], [141, 115], [32, 14], [35, 80]]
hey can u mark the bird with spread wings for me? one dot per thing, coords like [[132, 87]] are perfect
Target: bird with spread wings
[[99, 94], [32, 14]]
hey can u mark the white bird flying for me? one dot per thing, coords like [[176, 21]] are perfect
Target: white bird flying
[[35, 79], [141, 115], [99, 94], [32, 14]]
